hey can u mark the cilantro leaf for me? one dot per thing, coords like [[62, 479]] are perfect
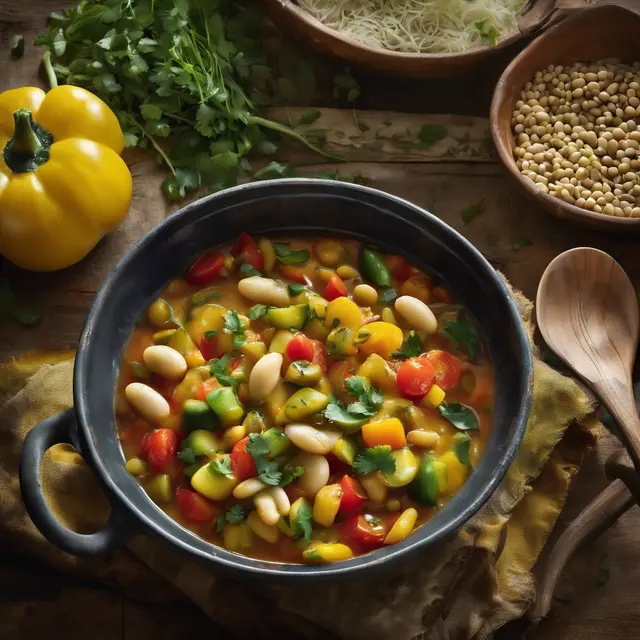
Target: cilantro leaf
[[295, 289], [268, 471], [459, 416], [367, 405], [291, 256], [375, 458], [175, 187], [257, 311], [290, 473], [9, 306], [312, 554], [472, 211], [461, 444], [187, 455], [429, 134], [17, 46], [219, 367], [411, 347], [220, 522], [388, 296], [221, 466], [309, 117], [301, 523], [210, 335], [233, 325], [337, 412], [461, 333], [235, 515], [247, 270]]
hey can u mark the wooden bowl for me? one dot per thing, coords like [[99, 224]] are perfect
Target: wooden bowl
[[592, 34], [294, 20]]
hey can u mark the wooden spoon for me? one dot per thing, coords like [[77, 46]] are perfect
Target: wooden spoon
[[587, 311]]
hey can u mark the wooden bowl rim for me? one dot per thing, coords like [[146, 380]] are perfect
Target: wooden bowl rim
[[327, 34], [504, 87]]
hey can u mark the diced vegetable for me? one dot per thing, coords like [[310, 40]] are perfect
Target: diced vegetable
[[424, 487], [206, 268], [280, 340], [406, 468], [340, 342], [159, 488], [303, 373], [385, 432], [402, 527], [197, 414], [162, 446], [254, 422], [201, 442], [226, 406], [335, 288], [364, 531], [373, 268], [293, 317], [213, 485], [194, 507], [415, 377], [242, 462], [320, 552], [304, 403], [382, 338], [277, 442], [300, 347], [434, 397], [345, 449], [246, 251], [237, 537], [446, 367], [343, 312], [326, 504], [353, 496]]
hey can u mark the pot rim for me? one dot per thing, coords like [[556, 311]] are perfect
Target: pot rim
[[261, 568]]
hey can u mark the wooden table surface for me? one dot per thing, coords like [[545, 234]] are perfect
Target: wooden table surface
[[36, 601]]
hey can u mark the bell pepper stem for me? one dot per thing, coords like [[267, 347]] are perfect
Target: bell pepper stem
[[25, 140], [48, 68]]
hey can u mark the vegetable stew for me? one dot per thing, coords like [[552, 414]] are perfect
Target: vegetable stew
[[304, 400]]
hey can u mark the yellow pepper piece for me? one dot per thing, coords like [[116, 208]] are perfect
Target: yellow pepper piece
[[378, 371], [402, 527], [63, 184], [434, 397], [344, 313], [318, 305], [326, 504], [327, 552], [268, 253], [382, 338], [384, 432], [456, 471], [237, 537]]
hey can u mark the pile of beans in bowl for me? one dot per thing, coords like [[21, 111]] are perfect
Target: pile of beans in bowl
[[577, 136]]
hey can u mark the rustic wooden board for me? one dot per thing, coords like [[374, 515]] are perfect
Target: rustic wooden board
[[36, 602]]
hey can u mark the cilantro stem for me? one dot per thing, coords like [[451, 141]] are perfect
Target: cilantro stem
[[48, 67], [281, 128], [156, 146]]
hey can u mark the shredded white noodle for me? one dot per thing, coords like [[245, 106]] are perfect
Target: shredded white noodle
[[418, 26]]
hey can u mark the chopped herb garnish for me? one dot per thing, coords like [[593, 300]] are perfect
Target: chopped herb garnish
[[461, 443], [9, 306], [233, 325], [290, 473], [221, 466], [345, 86], [369, 401], [301, 524], [472, 211], [309, 117], [17, 46], [459, 416], [210, 335], [219, 367], [257, 311], [268, 471], [220, 522], [295, 289], [246, 270], [388, 296], [361, 337], [411, 347], [202, 297], [375, 458], [461, 332], [291, 256], [520, 243], [235, 515], [312, 554], [187, 455]]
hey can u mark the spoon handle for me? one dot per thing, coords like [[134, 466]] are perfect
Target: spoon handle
[[618, 396]]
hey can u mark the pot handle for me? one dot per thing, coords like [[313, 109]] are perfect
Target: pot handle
[[59, 430]]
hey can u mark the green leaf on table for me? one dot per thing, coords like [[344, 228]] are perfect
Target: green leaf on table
[[602, 576], [460, 416], [520, 243], [17, 46], [472, 211], [429, 134], [175, 187], [309, 117]]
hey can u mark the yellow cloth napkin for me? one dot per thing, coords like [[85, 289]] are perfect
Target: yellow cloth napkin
[[467, 587]]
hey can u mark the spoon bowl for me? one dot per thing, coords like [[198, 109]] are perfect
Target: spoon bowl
[[587, 311]]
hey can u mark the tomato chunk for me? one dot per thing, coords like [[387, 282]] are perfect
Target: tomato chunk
[[209, 348], [335, 288], [293, 273], [246, 248], [206, 387], [415, 377], [242, 463], [319, 355], [353, 496], [447, 368], [364, 531], [161, 448], [300, 348], [399, 267], [206, 268], [195, 507]]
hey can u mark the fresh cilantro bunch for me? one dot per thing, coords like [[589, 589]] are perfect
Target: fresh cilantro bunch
[[182, 77], [367, 405]]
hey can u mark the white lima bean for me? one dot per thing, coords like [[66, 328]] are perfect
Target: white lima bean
[[316, 472], [165, 361], [265, 375], [147, 402], [311, 439], [266, 507], [417, 314], [280, 497], [248, 488], [264, 291]]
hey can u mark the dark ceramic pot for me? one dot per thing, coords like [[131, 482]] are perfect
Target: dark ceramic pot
[[295, 206]]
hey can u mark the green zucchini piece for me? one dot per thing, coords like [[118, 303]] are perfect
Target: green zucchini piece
[[424, 487], [226, 406], [277, 441], [201, 442], [197, 414], [280, 340], [159, 488], [293, 317]]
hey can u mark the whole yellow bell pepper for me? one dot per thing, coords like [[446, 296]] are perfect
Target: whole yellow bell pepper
[[63, 184]]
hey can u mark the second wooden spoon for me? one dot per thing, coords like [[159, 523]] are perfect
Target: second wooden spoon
[[587, 311]]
